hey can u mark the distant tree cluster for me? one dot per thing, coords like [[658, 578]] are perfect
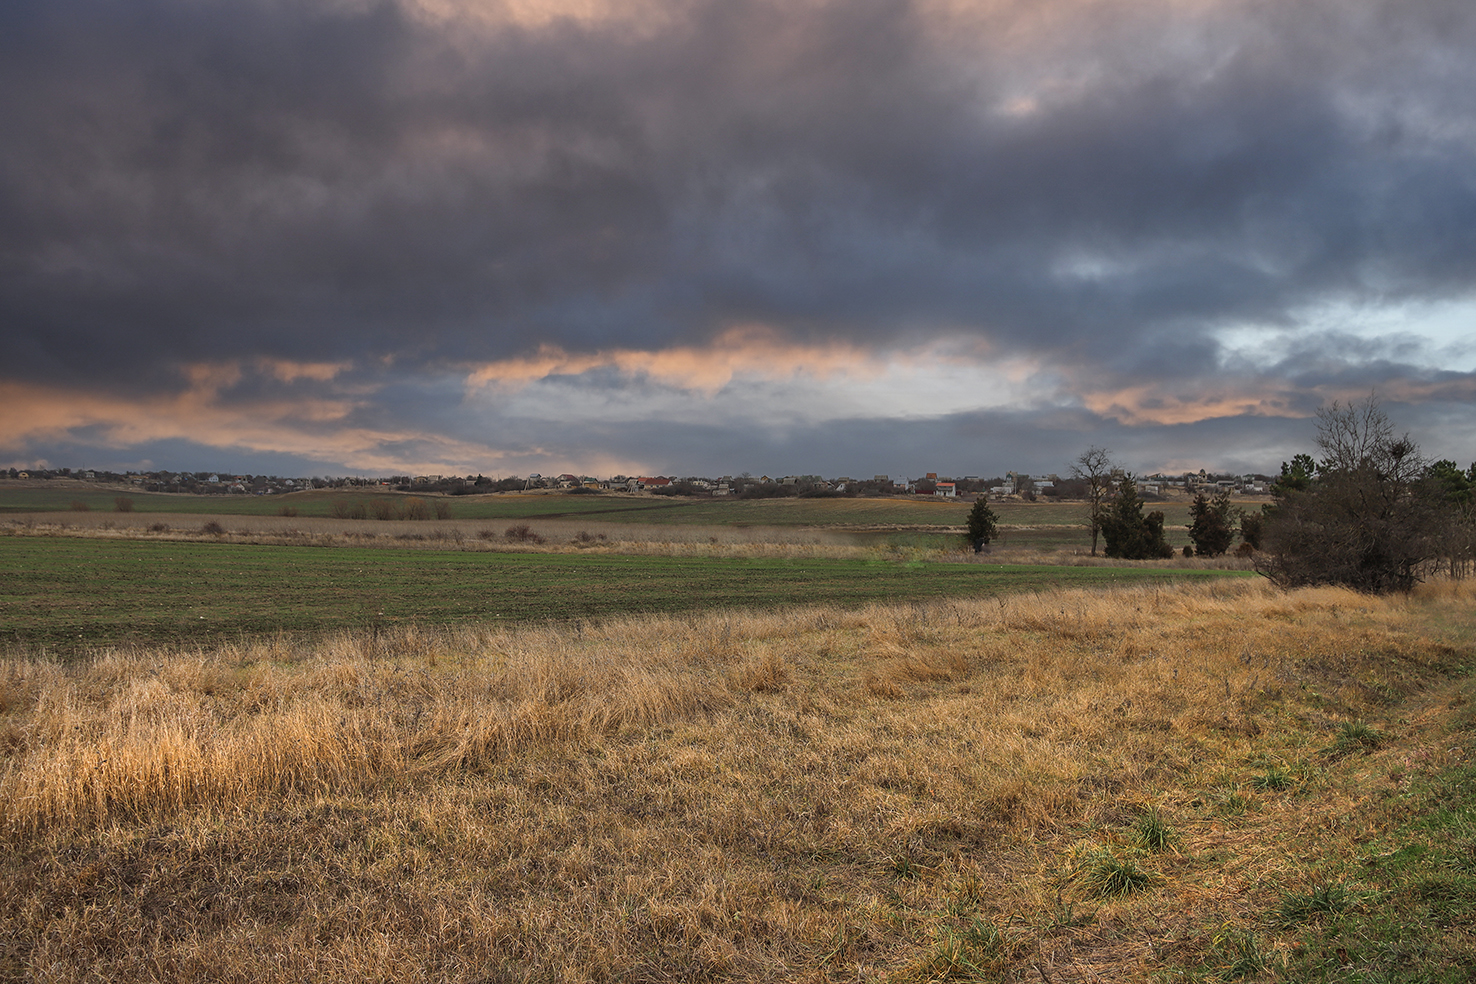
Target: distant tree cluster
[[684, 488]]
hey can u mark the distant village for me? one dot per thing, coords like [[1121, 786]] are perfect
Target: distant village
[[1012, 485]]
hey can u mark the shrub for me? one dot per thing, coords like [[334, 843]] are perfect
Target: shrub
[[123, 504], [213, 528], [79, 506], [158, 528], [442, 509], [522, 533], [414, 508], [287, 511], [348, 510], [678, 488], [384, 510], [1367, 519]]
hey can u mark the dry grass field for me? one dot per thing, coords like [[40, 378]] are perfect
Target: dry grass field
[[1213, 782]]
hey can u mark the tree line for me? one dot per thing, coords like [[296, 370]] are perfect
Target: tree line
[[1370, 512]]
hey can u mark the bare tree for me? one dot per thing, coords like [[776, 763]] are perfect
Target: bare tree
[[1367, 519], [1096, 469]]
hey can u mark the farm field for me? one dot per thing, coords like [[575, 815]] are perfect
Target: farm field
[[1212, 782], [747, 744], [894, 511], [865, 522], [69, 594]]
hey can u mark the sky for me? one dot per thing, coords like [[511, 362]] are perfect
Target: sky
[[704, 237]]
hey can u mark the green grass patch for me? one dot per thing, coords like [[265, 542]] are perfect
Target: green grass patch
[[72, 594], [1413, 917]]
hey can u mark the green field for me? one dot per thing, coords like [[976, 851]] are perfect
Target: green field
[[60, 497], [882, 512], [897, 522], [72, 594]]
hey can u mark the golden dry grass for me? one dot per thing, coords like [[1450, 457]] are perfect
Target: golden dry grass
[[899, 793]]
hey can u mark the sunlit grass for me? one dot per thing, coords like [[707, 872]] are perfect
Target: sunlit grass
[[1013, 787]]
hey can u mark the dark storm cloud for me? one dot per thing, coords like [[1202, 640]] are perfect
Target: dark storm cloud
[[1097, 186]]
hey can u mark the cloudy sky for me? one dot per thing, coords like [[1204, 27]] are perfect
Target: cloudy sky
[[711, 236]]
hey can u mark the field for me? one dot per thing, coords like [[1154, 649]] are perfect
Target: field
[[898, 521], [1219, 782], [69, 594], [279, 749]]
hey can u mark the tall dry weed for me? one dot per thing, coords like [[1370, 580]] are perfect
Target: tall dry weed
[[787, 794]]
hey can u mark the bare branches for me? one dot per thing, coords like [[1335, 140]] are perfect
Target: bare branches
[[1095, 467], [1366, 520]]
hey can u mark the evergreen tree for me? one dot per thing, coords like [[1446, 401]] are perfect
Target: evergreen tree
[[1212, 530], [983, 524], [1128, 533], [1252, 525]]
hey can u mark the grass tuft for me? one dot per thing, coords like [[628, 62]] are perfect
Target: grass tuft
[[1328, 899], [1356, 736], [1152, 833], [1108, 874], [1273, 779]]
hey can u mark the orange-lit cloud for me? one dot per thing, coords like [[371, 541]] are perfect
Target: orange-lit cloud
[[301, 425], [748, 351], [1151, 404], [647, 15], [312, 427], [29, 412]]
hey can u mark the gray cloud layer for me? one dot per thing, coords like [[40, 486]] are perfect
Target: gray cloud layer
[[1097, 185]]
